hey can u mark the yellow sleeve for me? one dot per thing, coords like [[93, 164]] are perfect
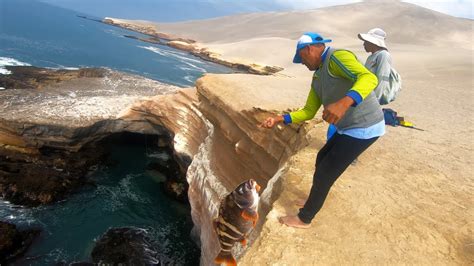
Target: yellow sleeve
[[344, 64], [307, 112]]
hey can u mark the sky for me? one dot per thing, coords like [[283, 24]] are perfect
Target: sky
[[457, 8], [166, 10]]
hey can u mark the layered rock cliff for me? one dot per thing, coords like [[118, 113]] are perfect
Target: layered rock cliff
[[52, 121], [52, 118], [235, 150]]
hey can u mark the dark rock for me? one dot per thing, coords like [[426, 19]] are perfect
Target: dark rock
[[126, 245], [31, 180], [14, 243], [175, 186], [177, 189], [166, 168], [50, 134], [29, 77], [174, 170], [154, 40]]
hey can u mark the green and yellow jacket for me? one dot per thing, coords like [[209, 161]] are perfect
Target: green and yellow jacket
[[342, 64]]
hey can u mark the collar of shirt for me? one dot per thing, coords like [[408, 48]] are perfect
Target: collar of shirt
[[323, 56]]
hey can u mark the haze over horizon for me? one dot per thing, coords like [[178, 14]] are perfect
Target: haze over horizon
[[166, 11]]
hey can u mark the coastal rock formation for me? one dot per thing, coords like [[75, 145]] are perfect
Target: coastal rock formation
[[47, 130], [188, 45], [46, 176], [237, 149], [146, 28], [13, 243], [127, 246], [52, 121], [251, 68], [232, 147]]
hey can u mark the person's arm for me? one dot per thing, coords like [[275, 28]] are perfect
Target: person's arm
[[344, 64], [382, 72], [307, 112]]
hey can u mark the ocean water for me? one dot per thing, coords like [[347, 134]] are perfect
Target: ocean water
[[35, 33], [38, 34], [126, 194]]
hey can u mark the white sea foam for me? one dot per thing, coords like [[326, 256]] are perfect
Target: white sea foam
[[7, 61], [115, 197], [15, 214], [63, 67], [4, 71], [159, 155], [177, 55], [114, 33], [189, 78], [55, 255]]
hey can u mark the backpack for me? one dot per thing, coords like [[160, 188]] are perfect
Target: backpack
[[390, 117], [395, 85]]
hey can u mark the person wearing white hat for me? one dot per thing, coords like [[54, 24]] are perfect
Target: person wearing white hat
[[380, 61], [344, 87]]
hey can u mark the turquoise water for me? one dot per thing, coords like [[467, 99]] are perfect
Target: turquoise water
[[38, 34], [126, 195]]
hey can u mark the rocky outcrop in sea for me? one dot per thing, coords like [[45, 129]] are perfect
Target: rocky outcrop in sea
[[14, 243], [126, 246], [188, 45]]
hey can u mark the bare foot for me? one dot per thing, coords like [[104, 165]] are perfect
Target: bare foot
[[293, 221], [300, 202]]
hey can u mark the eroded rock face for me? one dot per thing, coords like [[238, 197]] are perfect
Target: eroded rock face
[[174, 182], [13, 242], [236, 149], [127, 246], [52, 120], [28, 77], [215, 142]]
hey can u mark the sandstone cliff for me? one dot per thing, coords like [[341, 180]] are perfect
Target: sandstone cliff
[[51, 118]]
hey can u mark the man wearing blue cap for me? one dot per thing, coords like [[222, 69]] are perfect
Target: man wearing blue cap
[[345, 89]]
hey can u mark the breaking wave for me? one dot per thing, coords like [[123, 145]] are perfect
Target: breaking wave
[[7, 61], [181, 57]]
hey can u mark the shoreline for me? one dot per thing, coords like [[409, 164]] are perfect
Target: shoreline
[[188, 45]]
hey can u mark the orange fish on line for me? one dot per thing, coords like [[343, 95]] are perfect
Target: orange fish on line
[[238, 215]]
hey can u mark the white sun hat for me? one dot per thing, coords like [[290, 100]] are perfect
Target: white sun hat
[[376, 36]]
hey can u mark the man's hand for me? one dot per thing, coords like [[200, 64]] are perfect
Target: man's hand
[[271, 121], [335, 111]]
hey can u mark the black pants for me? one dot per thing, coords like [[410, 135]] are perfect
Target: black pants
[[331, 162]]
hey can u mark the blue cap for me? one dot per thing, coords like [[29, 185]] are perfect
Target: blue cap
[[306, 39]]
